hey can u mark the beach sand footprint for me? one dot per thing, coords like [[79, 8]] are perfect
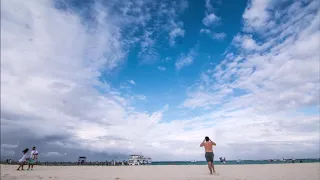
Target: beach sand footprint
[[53, 177]]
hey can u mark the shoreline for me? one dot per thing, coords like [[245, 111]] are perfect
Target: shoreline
[[191, 164], [167, 165], [307, 171]]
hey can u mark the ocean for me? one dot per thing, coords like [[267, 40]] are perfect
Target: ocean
[[234, 162]]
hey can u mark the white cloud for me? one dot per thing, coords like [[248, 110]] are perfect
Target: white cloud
[[199, 98], [167, 59], [54, 154], [148, 53], [210, 19], [182, 5], [205, 31], [260, 89], [174, 33], [132, 82], [257, 13], [208, 5], [7, 150], [141, 97], [166, 107], [163, 20], [219, 36], [246, 42], [176, 26], [185, 60], [213, 35], [161, 68], [9, 146], [7, 153]]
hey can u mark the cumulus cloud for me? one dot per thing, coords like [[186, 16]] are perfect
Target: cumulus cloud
[[53, 154], [210, 19], [161, 68], [7, 153], [176, 26], [213, 35], [183, 61], [257, 13], [141, 97], [208, 5], [174, 33], [148, 53], [266, 81], [205, 31], [7, 150], [163, 20], [132, 82], [186, 59]]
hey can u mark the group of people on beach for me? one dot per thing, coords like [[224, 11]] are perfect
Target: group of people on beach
[[29, 159], [33, 157]]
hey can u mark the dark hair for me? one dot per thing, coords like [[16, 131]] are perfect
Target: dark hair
[[207, 138], [25, 150], [33, 147]]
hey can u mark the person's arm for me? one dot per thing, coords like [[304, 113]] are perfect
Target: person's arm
[[213, 143], [202, 144]]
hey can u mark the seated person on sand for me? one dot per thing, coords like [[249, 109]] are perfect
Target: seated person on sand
[[24, 158], [207, 144]]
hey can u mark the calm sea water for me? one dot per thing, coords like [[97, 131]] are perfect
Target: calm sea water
[[234, 162]]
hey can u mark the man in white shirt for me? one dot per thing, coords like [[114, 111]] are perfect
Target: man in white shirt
[[33, 157]]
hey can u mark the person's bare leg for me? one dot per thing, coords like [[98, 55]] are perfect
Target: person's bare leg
[[210, 167], [19, 167]]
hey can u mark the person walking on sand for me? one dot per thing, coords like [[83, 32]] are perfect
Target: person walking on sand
[[207, 144], [33, 158], [24, 158]]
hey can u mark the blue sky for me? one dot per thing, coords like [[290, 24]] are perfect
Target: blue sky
[[159, 80], [157, 76]]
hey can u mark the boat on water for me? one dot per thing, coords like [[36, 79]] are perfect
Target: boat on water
[[193, 161], [136, 160]]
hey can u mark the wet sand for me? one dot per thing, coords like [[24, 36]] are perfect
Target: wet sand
[[307, 171]]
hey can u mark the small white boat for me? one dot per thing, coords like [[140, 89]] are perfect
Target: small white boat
[[135, 160]]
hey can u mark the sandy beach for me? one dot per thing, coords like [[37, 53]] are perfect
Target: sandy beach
[[229, 172]]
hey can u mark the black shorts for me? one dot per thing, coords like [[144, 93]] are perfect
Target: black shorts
[[209, 156]]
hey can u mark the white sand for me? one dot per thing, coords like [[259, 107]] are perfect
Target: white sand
[[227, 172]]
